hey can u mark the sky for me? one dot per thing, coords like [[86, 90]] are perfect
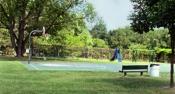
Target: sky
[[114, 12]]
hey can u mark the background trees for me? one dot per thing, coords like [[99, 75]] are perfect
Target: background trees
[[121, 38], [99, 30]]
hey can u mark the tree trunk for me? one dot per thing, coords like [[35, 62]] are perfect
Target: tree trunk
[[20, 41], [11, 28], [12, 36], [20, 49], [172, 34]]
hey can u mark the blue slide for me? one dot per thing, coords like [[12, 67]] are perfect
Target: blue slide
[[117, 55]]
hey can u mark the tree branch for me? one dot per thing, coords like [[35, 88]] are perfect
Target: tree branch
[[69, 21]]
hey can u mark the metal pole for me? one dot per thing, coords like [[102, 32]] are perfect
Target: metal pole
[[30, 47], [30, 38]]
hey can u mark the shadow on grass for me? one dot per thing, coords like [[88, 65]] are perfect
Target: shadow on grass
[[137, 82], [11, 58], [134, 82]]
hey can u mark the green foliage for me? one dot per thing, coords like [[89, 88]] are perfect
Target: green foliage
[[125, 38], [157, 38], [163, 50], [66, 38], [4, 37], [121, 38], [99, 43], [140, 52], [89, 12], [137, 46], [99, 30]]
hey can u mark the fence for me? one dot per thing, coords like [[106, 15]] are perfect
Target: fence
[[98, 53], [58, 51], [94, 53]]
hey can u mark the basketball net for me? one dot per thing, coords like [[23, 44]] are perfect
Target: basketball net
[[45, 34], [44, 31]]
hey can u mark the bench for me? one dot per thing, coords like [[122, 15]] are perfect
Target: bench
[[134, 68]]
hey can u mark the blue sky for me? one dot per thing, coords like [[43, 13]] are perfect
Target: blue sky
[[114, 12]]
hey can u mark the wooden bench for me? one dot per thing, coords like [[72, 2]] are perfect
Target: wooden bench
[[134, 68]]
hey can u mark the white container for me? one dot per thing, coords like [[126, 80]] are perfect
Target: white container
[[27, 51], [154, 70]]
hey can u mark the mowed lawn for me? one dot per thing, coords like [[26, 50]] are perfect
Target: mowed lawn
[[16, 79]]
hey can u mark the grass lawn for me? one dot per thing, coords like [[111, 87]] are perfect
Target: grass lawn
[[16, 79]]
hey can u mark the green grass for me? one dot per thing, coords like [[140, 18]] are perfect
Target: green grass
[[16, 79]]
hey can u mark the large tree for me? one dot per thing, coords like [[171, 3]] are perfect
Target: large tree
[[150, 14], [20, 17]]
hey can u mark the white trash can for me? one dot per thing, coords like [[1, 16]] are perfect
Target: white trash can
[[27, 51], [154, 70]]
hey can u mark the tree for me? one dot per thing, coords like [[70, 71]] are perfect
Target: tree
[[150, 14], [99, 30], [122, 38], [20, 17], [75, 34], [158, 38], [99, 43]]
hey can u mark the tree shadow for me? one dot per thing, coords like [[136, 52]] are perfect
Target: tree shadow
[[134, 82]]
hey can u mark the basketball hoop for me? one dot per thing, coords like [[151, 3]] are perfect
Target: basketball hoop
[[44, 30], [46, 35]]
